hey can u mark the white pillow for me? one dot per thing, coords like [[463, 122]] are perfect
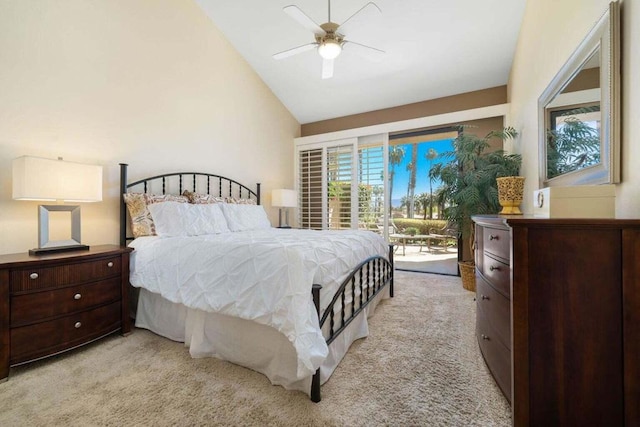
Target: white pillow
[[245, 217], [184, 219]]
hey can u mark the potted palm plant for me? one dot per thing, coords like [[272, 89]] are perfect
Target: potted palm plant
[[469, 187]]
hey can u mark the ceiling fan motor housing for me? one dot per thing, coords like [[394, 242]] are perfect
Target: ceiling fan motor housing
[[331, 33], [329, 44]]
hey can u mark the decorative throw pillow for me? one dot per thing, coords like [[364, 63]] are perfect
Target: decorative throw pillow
[[200, 198], [141, 220], [244, 217], [239, 201], [186, 219]]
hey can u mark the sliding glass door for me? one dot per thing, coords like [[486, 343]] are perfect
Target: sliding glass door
[[425, 239], [381, 183]]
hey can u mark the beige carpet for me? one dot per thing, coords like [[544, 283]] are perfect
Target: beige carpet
[[420, 366]]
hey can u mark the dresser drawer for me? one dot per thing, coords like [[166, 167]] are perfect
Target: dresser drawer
[[497, 242], [497, 273], [496, 355], [40, 339], [37, 306], [496, 309], [29, 279]]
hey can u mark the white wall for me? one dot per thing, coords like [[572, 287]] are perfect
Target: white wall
[[151, 83], [550, 32]]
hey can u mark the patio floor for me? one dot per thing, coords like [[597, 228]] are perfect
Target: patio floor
[[438, 260]]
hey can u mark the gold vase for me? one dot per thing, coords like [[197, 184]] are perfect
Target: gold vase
[[510, 192]]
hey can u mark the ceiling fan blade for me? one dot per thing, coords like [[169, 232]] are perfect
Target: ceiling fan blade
[[367, 12], [327, 68], [304, 20], [294, 51], [367, 52]]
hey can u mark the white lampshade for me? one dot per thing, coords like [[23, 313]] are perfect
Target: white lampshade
[[329, 49], [284, 198], [45, 179]]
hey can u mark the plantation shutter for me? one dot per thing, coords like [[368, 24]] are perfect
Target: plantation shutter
[[371, 188], [339, 167], [310, 189], [341, 184]]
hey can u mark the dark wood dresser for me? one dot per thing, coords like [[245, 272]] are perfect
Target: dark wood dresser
[[53, 303], [572, 355], [493, 300]]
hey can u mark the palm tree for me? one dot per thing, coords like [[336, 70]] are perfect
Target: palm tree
[[413, 168], [440, 198], [431, 155], [396, 155], [424, 200], [404, 202]]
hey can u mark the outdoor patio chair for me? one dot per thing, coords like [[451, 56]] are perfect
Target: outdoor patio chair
[[444, 236], [395, 237]]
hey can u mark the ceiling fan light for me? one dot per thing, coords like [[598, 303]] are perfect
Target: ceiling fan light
[[329, 49]]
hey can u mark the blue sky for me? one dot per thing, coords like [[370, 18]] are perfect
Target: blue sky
[[401, 178]]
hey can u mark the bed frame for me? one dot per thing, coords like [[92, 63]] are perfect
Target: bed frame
[[369, 277]]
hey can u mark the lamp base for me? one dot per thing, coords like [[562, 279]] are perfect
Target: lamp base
[[53, 250]]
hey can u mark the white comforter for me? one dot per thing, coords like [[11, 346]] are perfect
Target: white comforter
[[263, 275]]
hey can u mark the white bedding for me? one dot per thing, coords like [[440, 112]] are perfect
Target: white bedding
[[261, 275]]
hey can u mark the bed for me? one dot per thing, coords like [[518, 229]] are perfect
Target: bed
[[284, 302]]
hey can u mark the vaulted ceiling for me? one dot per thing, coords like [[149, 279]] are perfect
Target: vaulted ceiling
[[432, 49]]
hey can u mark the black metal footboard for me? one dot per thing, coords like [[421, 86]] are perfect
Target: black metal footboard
[[369, 278]]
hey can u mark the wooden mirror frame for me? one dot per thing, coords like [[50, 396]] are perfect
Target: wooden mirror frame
[[605, 37]]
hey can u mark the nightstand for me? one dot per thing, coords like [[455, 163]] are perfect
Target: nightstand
[[57, 302]]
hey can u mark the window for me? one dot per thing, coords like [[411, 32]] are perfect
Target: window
[[332, 177]]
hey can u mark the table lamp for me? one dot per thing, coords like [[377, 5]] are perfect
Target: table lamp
[[36, 178], [284, 199]]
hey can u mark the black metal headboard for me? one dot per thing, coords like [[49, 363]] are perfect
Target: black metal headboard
[[176, 183]]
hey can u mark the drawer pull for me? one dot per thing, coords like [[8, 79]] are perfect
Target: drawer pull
[[77, 296], [485, 337], [77, 325], [33, 276], [110, 264], [493, 267], [484, 297], [493, 237]]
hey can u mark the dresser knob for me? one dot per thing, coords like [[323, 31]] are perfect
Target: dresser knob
[[484, 337], [77, 296], [484, 297], [493, 267], [33, 275], [110, 264], [492, 237], [77, 325]]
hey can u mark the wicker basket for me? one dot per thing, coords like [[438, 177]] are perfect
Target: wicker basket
[[468, 274]]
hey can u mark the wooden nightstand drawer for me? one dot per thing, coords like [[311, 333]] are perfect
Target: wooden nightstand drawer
[[497, 242], [497, 274], [45, 338], [37, 306], [34, 278], [496, 309]]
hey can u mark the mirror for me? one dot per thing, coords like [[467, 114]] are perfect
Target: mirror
[[579, 119]]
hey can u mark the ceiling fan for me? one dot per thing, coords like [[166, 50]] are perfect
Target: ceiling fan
[[330, 37]]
